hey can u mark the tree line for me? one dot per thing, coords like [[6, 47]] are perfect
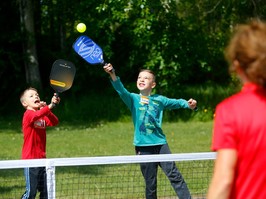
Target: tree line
[[182, 41]]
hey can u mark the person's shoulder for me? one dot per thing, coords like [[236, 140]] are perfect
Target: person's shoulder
[[28, 111], [27, 114], [157, 96], [161, 97], [234, 100]]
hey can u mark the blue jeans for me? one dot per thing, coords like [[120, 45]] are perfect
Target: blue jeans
[[35, 181], [149, 172]]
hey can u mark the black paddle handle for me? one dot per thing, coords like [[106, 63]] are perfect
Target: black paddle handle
[[56, 95]]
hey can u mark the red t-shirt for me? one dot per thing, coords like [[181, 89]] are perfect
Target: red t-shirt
[[34, 131], [240, 124]]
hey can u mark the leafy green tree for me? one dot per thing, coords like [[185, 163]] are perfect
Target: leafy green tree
[[26, 8], [182, 41]]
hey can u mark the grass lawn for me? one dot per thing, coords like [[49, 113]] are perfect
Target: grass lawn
[[106, 139]]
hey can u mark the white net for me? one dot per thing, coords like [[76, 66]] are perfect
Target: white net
[[107, 177]]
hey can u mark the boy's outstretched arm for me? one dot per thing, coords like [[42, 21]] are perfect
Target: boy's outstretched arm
[[110, 70]]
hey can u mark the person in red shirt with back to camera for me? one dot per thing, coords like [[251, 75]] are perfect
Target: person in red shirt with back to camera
[[36, 118], [239, 134]]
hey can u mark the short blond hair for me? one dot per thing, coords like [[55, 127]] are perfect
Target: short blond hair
[[248, 47], [23, 93]]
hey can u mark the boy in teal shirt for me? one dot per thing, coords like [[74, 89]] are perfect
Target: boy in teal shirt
[[147, 114]]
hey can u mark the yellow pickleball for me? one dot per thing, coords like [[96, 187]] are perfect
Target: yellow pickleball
[[81, 27]]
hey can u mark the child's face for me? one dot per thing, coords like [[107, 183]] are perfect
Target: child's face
[[145, 82], [31, 100]]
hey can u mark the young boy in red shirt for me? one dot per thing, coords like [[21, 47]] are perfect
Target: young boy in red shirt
[[36, 118]]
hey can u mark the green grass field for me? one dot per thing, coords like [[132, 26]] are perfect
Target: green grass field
[[87, 131], [104, 139]]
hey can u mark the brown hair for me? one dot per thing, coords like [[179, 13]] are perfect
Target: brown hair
[[149, 71], [248, 47]]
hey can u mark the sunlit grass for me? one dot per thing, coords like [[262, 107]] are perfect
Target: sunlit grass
[[105, 139]]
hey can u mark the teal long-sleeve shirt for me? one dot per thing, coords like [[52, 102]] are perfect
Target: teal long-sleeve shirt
[[147, 114]]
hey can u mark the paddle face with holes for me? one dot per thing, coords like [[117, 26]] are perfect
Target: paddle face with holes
[[88, 50], [62, 75]]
